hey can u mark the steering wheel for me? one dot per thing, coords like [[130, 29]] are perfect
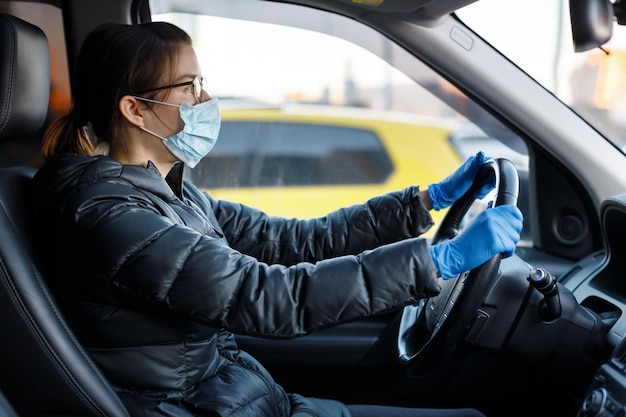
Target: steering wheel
[[430, 330]]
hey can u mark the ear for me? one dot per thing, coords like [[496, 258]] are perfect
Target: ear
[[132, 110]]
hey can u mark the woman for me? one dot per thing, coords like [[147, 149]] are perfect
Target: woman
[[154, 275]]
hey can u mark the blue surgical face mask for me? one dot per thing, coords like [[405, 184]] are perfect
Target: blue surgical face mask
[[202, 126]]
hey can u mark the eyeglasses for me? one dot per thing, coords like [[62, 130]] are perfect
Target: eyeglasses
[[198, 84]]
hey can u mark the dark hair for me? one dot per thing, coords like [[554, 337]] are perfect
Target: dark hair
[[114, 60]]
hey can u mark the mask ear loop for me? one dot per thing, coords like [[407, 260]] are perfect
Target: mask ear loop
[[156, 101], [152, 133]]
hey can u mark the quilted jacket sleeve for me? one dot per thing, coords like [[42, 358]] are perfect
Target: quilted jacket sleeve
[[348, 231], [122, 238]]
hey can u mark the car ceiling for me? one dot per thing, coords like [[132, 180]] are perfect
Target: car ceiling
[[422, 12], [417, 11]]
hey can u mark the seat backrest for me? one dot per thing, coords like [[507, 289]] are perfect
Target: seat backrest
[[43, 368], [6, 409]]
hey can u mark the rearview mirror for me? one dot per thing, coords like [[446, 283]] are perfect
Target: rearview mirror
[[592, 23]]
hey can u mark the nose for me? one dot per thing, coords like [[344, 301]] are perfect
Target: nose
[[205, 96]]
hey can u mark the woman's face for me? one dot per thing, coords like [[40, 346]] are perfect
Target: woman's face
[[165, 119]]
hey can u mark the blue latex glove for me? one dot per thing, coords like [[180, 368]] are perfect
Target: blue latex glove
[[495, 230], [449, 190]]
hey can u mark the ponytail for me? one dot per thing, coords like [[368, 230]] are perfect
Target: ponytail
[[64, 135]]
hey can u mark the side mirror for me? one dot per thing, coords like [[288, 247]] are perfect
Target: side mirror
[[592, 23]]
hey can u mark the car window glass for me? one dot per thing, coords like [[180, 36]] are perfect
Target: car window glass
[[590, 82], [274, 154], [320, 111]]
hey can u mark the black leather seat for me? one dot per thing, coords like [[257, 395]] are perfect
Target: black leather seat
[[43, 368], [6, 409]]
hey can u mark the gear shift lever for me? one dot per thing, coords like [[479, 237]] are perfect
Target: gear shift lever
[[545, 283]]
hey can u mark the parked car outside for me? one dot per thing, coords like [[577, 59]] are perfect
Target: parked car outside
[[305, 160]]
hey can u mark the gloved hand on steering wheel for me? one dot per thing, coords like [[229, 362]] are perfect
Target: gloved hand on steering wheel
[[494, 230], [446, 192]]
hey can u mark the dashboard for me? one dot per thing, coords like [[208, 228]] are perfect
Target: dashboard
[[599, 283]]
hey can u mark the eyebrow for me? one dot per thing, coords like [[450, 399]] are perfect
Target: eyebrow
[[182, 78]]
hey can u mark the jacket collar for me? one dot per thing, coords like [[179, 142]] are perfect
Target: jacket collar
[[174, 178], [154, 182], [72, 170]]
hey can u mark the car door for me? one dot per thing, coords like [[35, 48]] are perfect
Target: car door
[[271, 55]]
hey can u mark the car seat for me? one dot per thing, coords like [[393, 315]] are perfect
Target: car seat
[[43, 368], [6, 409]]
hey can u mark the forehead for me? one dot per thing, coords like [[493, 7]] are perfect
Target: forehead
[[187, 64]]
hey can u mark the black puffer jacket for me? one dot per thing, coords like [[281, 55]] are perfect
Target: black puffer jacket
[[146, 271]]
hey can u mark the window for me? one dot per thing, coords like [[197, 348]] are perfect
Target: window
[[271, 154], [372, 118]]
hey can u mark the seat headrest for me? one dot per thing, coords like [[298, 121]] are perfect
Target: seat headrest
[[24, 78]]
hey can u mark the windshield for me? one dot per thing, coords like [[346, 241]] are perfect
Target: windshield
[[593, 83]]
